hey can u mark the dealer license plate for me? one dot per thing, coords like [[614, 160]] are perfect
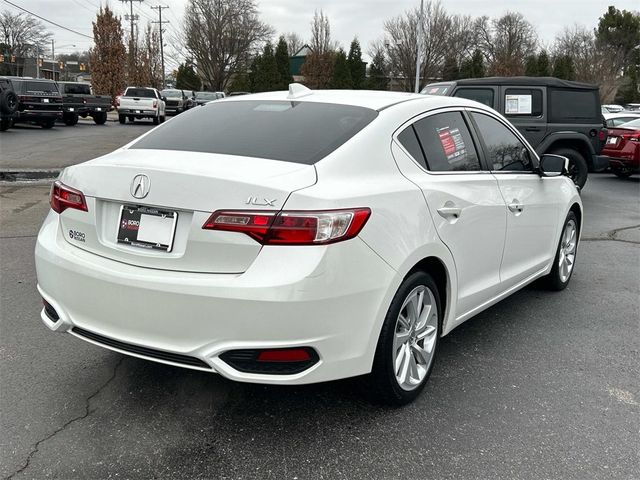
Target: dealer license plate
[[147, 227], [612, 140], [98, 109]]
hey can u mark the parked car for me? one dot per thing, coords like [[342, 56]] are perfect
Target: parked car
[[623, 148], [39, 101], [205, 97], [177, 101], [78, 101], [632, 107], [309, 236], [612, 108], [555, 116], [235, 94], [8, 104], [141, 102], [615, 119]]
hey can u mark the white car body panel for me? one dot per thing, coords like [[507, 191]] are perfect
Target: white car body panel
[[219, 291], [141, 104]]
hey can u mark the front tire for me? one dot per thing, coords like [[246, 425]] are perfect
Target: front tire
[[578, 168], [47, 124], [408, 342], [100, 118], [564, 261], [122, 119], [70, 119]]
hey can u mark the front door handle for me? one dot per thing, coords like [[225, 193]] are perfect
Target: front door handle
[[516, 207], [450, 212]]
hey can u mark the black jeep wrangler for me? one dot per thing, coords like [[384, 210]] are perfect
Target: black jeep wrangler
[[8, 104], [555, 116], [39, 101]]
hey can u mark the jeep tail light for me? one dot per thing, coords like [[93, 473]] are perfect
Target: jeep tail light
[[63, 197], [292, 227], [602, 134]]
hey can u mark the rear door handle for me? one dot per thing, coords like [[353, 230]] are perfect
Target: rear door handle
[[532, 129], [448, 212]]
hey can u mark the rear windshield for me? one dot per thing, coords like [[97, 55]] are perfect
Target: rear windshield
[[48, 87], [299, 132], [632, 124], [207, 96], [172, 93], [76, 88], [140, 92]]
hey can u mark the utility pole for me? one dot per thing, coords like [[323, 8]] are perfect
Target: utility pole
[[132, 43], [419, 46], [53, 58], [160, 22]]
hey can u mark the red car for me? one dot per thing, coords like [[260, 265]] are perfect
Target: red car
[[623, 149]]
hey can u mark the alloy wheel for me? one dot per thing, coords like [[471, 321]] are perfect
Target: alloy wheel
[[415, 337], [568, 245]]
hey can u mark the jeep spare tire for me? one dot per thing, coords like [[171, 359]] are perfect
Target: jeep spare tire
[[578, 168], [8, 102]]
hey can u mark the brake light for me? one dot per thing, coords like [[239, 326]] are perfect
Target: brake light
[[84, 100], [292, 227], [602, 134], [155, 103], [63, 197]]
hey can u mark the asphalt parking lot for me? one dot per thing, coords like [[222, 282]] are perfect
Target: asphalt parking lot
[[541, 386]]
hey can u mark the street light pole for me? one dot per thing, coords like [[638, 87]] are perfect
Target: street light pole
[[53, 59], [419, 45]]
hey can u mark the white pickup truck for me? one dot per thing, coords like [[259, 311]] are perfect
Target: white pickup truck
[[141, 102]]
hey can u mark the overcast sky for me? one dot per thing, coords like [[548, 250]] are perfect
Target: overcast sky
[[364, 18]]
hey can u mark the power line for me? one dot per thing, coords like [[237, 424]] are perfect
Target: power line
[[47, 20]]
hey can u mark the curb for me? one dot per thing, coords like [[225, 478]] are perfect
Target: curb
[[28, 175]]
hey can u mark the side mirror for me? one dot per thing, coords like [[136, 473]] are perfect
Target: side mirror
[[553, 165], [164, 99]]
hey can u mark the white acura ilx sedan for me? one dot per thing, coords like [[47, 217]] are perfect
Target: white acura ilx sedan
[[304, 236]]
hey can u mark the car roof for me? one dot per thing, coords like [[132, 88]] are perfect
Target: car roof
[[609, 116], [523, 81], [375, 100]]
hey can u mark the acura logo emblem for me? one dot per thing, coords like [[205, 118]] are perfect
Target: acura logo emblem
[[140, 186]]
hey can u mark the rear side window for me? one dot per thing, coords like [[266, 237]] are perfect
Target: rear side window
[[504, 150], [523, 102], [574, 106], [140, 92], [299, 132], [74, 88], [409, 140], [446, 143], [39, 87], [482, 95]]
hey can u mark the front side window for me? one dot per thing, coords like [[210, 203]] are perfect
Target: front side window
[[505, 151], [447, 143], [482, 95]]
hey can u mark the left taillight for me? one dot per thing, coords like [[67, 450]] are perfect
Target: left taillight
[[63, 197], [292, 227]]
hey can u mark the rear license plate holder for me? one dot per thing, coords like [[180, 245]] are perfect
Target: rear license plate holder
[[147, 227]]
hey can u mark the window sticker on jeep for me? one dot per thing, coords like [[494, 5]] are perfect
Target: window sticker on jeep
[[452, 144], [517, 104]]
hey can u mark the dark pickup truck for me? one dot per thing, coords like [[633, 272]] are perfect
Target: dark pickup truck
[[39, 101], [555, 116], [78, 101]]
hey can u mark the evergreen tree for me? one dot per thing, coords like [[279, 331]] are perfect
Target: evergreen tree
[[266, 76], [357, 67], [544, 64], [282, 64], [473, 67], [450, 70], [531, 66], [378, 73], [108, 56], [563, 67], [187, 78], [341, 73]]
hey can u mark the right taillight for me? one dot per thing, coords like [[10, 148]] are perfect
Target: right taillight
[[292, 227], [63, 197]]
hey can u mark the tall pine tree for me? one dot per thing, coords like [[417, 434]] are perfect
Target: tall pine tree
[[341, 73], [282, 64], [108, 56], [378, 79], [544, 64], [266, 76], [357, 67]]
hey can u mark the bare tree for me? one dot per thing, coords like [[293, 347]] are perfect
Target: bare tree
[[402, 38], [506, 42], [23, 34], [294, 42], [592, 63], [321, 42], [318, 66], [221, 36]]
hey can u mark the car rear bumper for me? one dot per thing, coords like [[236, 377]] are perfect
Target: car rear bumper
[[329, 298], [138, 113], [35, 115], [600, 163]]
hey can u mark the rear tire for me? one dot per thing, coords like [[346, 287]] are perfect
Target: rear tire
[[132, 118], [100, 118], [578, 168], [48, 123], [408, 342], [122, 119], [156, 120], [5, 124], [565, 258], [8, 102]]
